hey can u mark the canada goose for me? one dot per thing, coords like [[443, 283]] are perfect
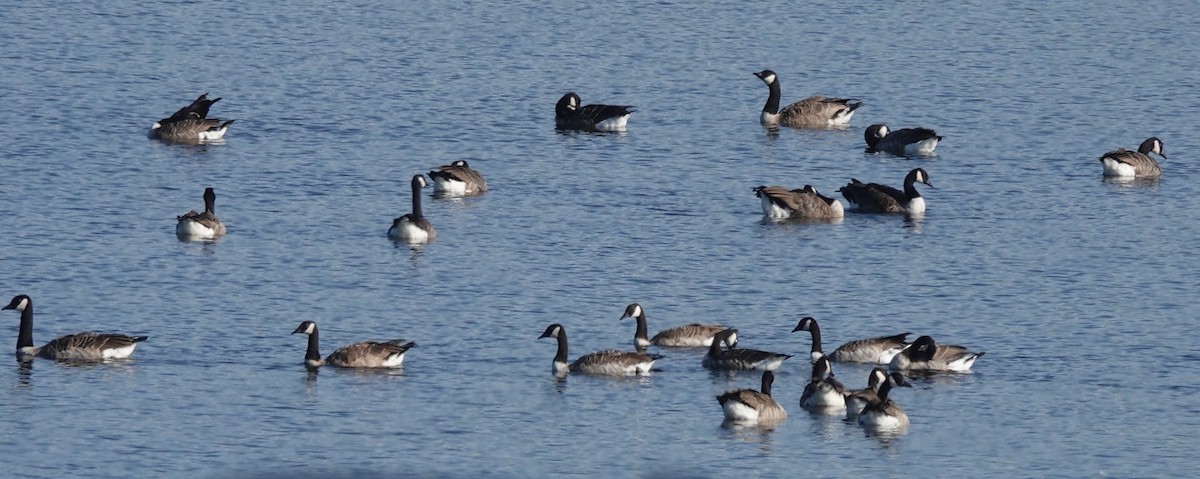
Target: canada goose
[[366, 354], [79, 346], [204, 225], [885, 414], [569, 114], [905, 141], [1122, 162], [781, 203], [191, 124], [926, 355], [413, 227], [811, 112], [872, 350], [457, 178], [750, 406], [718, 358], [858, 399], [823, 390], [877, 198], [609, 362], [687, 336]]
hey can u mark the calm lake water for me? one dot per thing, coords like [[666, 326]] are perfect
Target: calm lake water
[[1082, 292]]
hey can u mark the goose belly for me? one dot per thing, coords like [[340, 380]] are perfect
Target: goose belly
[[1116, 168], [616, 123], [923, 147], [216, 134], [613, 369], [915, 206], [737, 411], [826, 397], [879, 420], [194, 229], [773, 210], [449, 187], [408, 231]]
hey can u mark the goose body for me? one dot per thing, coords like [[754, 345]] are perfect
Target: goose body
[[823, 392], [811, 112], [570, 114], [884, 414], [191, 124], [413, 227], [747, 406], [457, 179], [781, 203], [201, 225], [85, 346], [366, 354], [693, 335], [926, 355], [858, 399], [608, 362], [878, 350], [877, 198], [1136, 164], [904, 142], [737, 358]]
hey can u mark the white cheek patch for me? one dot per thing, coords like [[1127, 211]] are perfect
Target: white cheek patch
[[769, 79]]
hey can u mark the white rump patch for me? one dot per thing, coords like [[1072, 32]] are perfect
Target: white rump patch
[[408, 231]]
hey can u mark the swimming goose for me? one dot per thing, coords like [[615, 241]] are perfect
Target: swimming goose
[[79, 346], [858, 399], [823, 391], [885, 414], [811, 112], [687, 336], [570, 115], [457, 179], [871, 350], [750, 406], [198, 225], [1122, 162], [609, 362], [877, 198], [781, 203], [413, 227], [718, 358], [926, 355], [191, 124], [905, 141], [366, 354]]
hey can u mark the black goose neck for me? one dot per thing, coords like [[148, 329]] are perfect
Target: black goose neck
[[561, 355], [772, 105], [210, 202], [313, 353], [910, 190], [815, 330], [416, 198], [768, 378], [25, 336], [641, 332]]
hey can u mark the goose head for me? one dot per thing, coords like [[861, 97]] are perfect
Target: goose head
[[633, 311], [19, 303], [1152, 145], [552, 331], [767, 76], [307, 327], [569, 102]]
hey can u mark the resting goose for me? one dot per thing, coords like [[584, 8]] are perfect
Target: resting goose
[[718, 358], [198, 225], [781, 203], [688, 336], [877, 198], [1125, 163], [413, 227], [366, 354], [926, 355], [569, 114], [457, 179], [905, 141], [811, 112], [79, 346], [609, 362], [872, 350], [823, 391], [858, 399], [753, 407], [191, 124], [885, 414]]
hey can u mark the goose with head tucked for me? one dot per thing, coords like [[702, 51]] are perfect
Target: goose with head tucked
[[191, 124], [884, 414], [413, 227], [747, 406], [737, 358], [457, 179], [693, 335], [878, 350], [903, 142], [201, 225], [823, 392], [858, 399], [811, 112], [925, 354], [609, 362], [877, 198], [781, 203], [365, 354], [87, 346], [1135, 164], [570, 114]]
